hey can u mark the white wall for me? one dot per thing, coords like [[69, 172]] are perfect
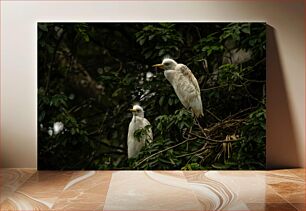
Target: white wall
[[285, 62]]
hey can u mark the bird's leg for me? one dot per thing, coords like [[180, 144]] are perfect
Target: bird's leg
[[189, 134], [190, 129], [198, 123]]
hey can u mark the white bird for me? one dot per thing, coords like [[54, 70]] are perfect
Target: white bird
[[138, 121], [184, 83]]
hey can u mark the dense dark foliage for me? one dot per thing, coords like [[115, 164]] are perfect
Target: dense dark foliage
[[90, 74]]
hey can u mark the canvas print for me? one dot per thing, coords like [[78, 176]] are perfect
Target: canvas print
[[159, 96]]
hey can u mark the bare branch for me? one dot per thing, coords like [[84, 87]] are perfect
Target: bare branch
[[147, 158]]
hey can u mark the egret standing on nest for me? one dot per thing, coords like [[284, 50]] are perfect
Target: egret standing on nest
[[138, 122], [185, 85]]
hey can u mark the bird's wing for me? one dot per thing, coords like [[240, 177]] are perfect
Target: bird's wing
[[188, 90], [131, 142], [188, 74], [134, 144]]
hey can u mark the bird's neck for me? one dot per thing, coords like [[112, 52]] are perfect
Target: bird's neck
[[170, 74], [138, 115]]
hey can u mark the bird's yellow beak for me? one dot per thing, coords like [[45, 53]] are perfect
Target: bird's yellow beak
[[132, 110], [159, 65]]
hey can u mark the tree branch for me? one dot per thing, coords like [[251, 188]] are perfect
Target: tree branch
[[190, 139]]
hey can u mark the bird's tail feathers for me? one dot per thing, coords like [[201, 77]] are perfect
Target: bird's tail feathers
[[197, 108], [198, 113]]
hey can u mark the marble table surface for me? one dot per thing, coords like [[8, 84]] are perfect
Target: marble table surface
[[29, 189]]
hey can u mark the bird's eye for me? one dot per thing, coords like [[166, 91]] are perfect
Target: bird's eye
[[137, 110]]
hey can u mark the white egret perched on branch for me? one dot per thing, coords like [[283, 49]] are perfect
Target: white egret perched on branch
[[184, 83], [138, 122]]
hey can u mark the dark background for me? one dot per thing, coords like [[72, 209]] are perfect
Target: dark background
[[89, 74]]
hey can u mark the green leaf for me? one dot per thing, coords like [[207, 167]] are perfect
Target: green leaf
[[164, 39], [117, 92], [246, 29], [41, 116], [86, 38], [161, 100], [220, 166], [141, 42], [43, 27], [151, 36], [161, 52], [148, 54], [170, 101]]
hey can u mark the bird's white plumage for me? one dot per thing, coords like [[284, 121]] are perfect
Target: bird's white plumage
[[185, 85], [138, 121]]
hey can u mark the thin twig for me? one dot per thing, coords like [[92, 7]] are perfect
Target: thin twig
[[108, 145], [224, 122], [217, 118], [213, 140], [190, 139], [216, 87], [221, 86], [239, 112], [255, 81], [191, 153]]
